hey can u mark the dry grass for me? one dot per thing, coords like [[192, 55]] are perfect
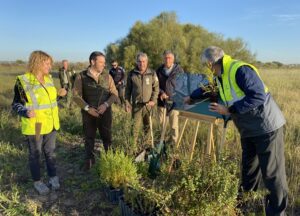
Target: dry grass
[[283, 84]]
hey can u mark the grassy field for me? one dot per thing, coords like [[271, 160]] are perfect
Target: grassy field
[[81, 193]]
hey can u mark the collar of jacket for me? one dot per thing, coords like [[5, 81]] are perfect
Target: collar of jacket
[[173, 71], [89, 73], [147, 72]]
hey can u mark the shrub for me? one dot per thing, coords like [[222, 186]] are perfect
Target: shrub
[[117, 170], [208, 188]]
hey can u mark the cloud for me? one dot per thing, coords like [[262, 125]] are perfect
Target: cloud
[[287, 18]]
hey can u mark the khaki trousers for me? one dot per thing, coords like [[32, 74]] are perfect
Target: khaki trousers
[[172, 121]]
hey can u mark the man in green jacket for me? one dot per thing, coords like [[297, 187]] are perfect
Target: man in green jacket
[[141, 95], [66, 78]]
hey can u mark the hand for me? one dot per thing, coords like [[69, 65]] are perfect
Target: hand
[[163, 96], [101, 109], [218, 108], [187, 100], [30, 113], [62, 92], [151, 103], [93, 112], [119, 83], [128, 107]]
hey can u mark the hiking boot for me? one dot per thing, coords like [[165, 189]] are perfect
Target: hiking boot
[[54, 183], [41, 187]]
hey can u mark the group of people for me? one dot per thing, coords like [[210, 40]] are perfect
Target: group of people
[[245, 97], [96, 89]]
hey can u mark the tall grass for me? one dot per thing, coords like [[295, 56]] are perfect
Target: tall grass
[[284, 86], [15, 176]]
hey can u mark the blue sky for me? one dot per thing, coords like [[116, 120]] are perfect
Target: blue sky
[[73, 29]]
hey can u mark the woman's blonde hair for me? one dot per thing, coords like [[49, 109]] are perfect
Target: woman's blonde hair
[[36, 60]]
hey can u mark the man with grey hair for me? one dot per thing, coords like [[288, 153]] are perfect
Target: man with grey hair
[[141, 95], [260, 123], [166, 74]]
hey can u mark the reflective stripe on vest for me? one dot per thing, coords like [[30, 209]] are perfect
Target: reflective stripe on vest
[[41, 99], [229, 90]]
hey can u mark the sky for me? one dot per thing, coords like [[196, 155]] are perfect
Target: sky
[[73, 29]]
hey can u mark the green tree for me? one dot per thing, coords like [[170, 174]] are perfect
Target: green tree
[[164, 32]]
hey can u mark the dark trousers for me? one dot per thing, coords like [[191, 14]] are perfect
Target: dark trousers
[[67, 99], [45, 145], [90, 126], [263, 158], [121, 92]]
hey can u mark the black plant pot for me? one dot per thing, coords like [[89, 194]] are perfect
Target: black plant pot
[[213, 97], [125, 209], [113, 194]]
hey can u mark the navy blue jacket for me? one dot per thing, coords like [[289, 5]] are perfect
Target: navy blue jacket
[[249, 82], [167, 82], [256, 113]]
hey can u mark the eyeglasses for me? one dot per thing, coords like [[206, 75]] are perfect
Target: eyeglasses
[[114, 65]]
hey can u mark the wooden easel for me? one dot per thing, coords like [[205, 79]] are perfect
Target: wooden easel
[[210, 145]]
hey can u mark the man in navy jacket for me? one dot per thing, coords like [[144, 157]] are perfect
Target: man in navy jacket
[[259, 121]]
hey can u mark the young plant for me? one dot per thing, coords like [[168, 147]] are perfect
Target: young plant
[[117, 170], [211, 88]]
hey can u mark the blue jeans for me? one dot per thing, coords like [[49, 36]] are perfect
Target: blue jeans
[[45, 145]]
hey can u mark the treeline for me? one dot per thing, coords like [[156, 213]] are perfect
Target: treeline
[[20, 65]]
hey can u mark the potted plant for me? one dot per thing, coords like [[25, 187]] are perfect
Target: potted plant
[[140, 200], [211, 89], [117, 171]]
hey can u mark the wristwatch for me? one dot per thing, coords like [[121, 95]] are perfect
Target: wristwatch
[[86, 108]]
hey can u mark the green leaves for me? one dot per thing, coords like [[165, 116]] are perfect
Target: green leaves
[[164, 32], [117, 170]]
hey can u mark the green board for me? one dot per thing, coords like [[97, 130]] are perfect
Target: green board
[[201, 108]]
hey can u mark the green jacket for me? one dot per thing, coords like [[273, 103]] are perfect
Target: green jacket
[[70, 78], [141, 88]]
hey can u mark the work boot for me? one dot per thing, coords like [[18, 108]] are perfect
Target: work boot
[[41, 187], [54, 183]]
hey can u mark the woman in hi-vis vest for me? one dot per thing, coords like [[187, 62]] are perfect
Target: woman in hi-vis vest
[[35, 101]]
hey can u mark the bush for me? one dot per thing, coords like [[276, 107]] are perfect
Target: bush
[[208, 188], [117, 170]]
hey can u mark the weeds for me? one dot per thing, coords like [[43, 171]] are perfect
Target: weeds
[[210, 183]]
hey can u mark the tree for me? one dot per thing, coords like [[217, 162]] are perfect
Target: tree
[[19, 61], [164, 32]]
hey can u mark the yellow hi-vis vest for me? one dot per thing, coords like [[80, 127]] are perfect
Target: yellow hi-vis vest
[[230, 92], [42, 99]]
